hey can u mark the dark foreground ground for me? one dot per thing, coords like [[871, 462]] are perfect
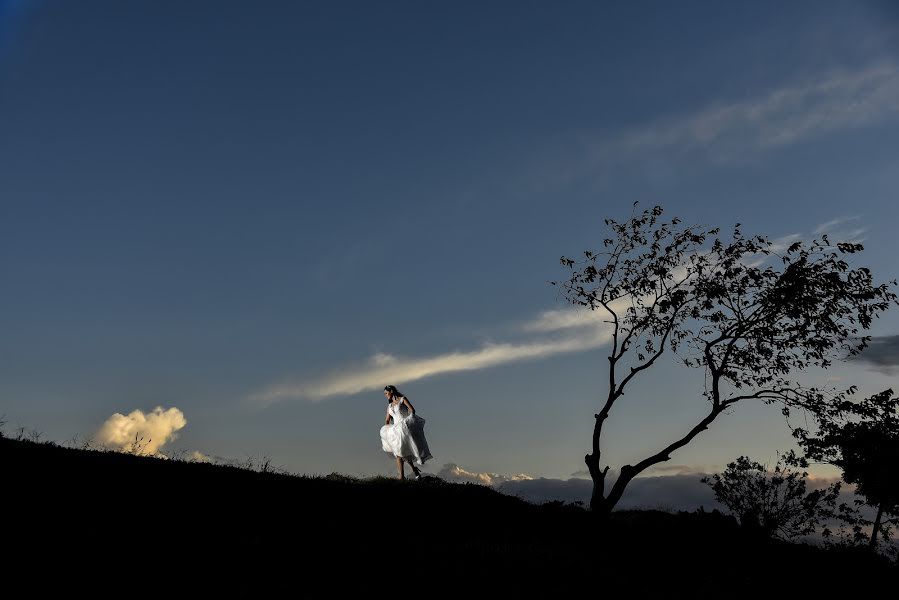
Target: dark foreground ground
[[106, 524]]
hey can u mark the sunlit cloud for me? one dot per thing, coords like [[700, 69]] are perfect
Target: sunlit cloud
[[455, 473], [563, 319], [837, 100], [197, 456], [143, 433], [574, 329], [679, 489]]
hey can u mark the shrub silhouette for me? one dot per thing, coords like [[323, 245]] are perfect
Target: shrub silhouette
[[773, 503], [863, 441]]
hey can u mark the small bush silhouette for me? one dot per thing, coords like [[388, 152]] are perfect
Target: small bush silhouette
[[775, 503]]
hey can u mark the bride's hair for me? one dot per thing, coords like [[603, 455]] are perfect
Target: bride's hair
[[393, 391]]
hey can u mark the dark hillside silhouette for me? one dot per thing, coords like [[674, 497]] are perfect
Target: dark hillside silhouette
[[79, 520]]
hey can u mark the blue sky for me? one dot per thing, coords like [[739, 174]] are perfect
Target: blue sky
[[261, 214]]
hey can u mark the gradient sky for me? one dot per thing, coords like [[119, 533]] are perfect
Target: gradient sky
[[261, 213]]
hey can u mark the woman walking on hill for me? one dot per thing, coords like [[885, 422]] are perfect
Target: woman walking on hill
[[405, 437]]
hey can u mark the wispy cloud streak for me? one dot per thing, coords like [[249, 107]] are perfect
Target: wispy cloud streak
[[838, 100], [570, 330]]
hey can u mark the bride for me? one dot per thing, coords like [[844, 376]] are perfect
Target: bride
[[405, 437]]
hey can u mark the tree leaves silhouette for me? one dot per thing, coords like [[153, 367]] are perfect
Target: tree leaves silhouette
[[863, 441], [745, 311]]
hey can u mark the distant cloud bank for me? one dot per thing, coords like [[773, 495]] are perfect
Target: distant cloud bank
[[455, 473], [680, 491], [882, 355], [151, 430]]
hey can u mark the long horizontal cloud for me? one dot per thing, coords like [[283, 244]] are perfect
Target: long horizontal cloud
[[682, 490], [558, 331], [882, 355], [837, 100], [574, 330]]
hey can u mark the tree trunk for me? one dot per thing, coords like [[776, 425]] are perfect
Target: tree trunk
[[872, 545], [601, 516], [598, 505]]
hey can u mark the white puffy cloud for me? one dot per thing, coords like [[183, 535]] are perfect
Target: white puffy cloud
[[142, 432]]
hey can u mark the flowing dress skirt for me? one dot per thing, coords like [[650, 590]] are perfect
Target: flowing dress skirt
[[405, 438]]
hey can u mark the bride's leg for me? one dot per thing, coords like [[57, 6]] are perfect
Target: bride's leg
[[401, 467]]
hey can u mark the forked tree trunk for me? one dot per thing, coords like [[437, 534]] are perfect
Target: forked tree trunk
[[601, 504], [598, 504]]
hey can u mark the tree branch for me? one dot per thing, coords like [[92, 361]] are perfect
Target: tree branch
[[628, 472]]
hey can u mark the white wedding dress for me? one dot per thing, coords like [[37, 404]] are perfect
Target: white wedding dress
[[405, 437]]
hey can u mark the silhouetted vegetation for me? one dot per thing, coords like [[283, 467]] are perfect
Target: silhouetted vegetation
[[746, 313], [114, 523], [863, 441], [773, 503]]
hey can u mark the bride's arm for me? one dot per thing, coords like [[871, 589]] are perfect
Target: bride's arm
[[388, 417], [409, 404]]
